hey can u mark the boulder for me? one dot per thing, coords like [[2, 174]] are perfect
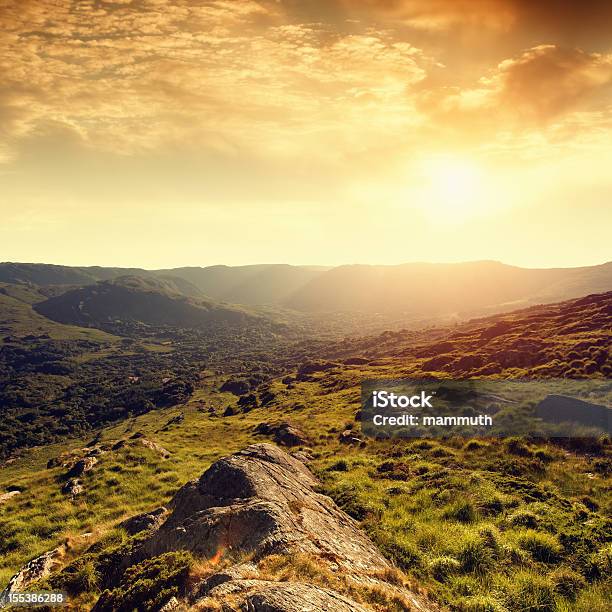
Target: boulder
[[80, 467], [287, 435], [284, 434], [33, 571], [4, 497], [143, 522], [73, 487], [260, 502]]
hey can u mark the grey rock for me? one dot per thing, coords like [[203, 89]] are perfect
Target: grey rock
[[34, 570], [81, 466], [143, 522]]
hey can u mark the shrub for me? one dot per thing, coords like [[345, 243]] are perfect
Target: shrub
[[474, 555], [464, 585], [443, 567], [544, 455], [542, 546], [80, 576], [491, 537], [402, 551], [523, 518], [601, 562], [462, 511], [339, 466], [567, 582], [530, 591], [474, 445], [517, 446], [148, 585]]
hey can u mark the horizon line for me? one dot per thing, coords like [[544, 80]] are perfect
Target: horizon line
[[326, 266]]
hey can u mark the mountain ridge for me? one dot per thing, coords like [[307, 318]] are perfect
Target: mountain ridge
[[414, 289]]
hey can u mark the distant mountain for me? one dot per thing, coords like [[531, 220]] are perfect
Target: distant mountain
[[253, 285], [136, 299], [445, 289], [47, 274], [420, 290]]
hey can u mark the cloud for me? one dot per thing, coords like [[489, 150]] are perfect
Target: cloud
[[543, 88], [439, 15], [547, 80], [220, 74], [564, 21]]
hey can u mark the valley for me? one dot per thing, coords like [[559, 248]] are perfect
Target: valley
[[115, 394]]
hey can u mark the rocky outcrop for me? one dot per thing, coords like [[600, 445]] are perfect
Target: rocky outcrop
[[266, 596], [4, 497], [35, 570], [73, 488], [155, 447], [261, 502], [283, 434], [81, 466], [143, 522]]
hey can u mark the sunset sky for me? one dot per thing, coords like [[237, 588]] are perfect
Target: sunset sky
[[161, 133]]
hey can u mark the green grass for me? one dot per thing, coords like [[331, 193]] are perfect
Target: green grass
[[447, 512], [20, 320]]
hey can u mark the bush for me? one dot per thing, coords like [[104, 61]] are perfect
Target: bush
[[542, 546], [523, 518], [474, 555], [402, 551], [462, 511], [339, 466], [148, 585], [601, 562], [443, 567], [491, 537], [79, 577], [544, 455], [517, 446], [474, 445], [529, 591], [567, 582], [464, 585]]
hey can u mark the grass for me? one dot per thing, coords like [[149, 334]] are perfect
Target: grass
[[481, 524], [19, 319]]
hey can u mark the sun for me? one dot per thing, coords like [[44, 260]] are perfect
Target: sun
[[452, 188]]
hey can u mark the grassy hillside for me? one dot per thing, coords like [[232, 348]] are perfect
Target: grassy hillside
[[569, 339], [19, 320], [144, 300], [480, 525]]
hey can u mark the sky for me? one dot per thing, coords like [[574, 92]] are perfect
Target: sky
[[163, 133]]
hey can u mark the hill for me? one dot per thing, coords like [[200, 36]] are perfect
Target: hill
[[133, 299], [48, 274], [19, 320], [416, 291], [569, 339], [445, 289], [253, 285], [481, 524]]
